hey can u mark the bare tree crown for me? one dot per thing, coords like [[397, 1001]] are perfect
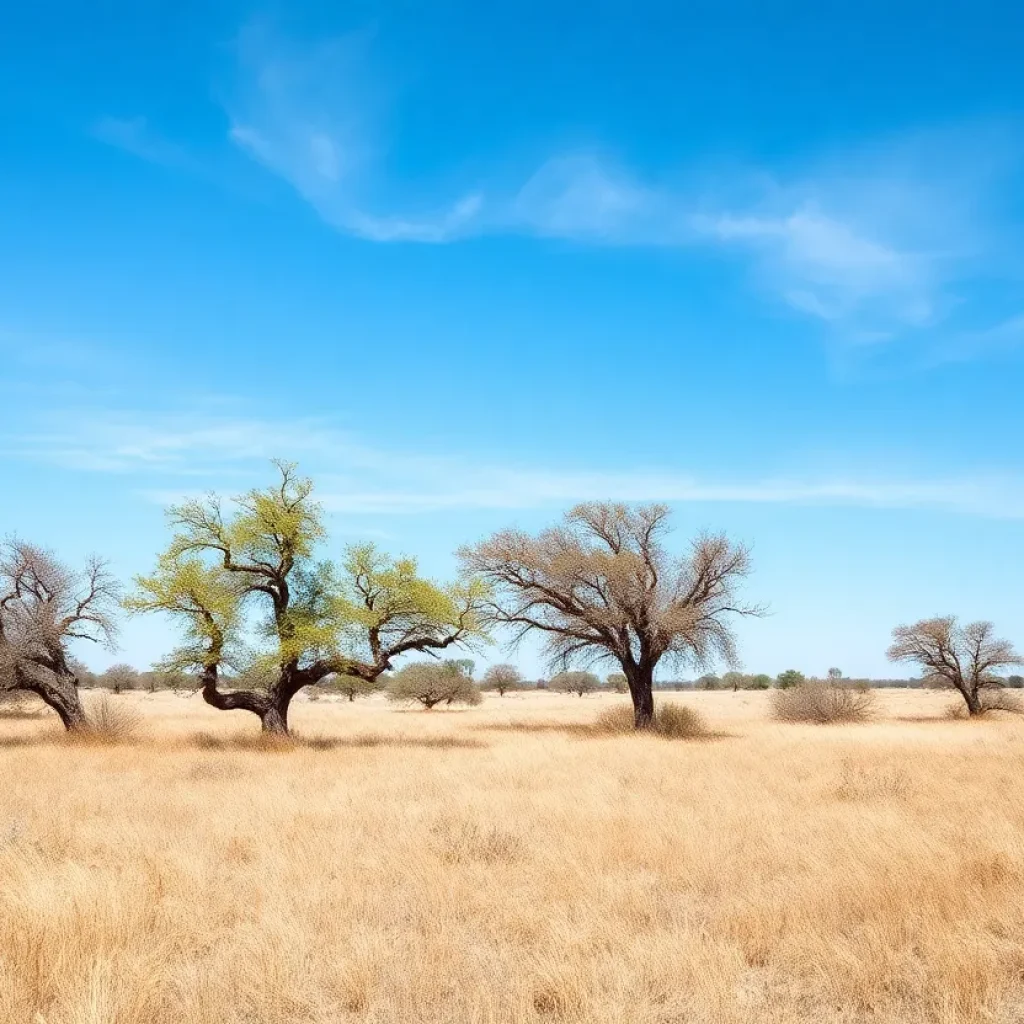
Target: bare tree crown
[[966, 657], [45, 605], [602, 585]]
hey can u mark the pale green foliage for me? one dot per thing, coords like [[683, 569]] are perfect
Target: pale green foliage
[[205, 600], [431, 683], [384, 603], [252, 599], [791, 677], [354, 686]]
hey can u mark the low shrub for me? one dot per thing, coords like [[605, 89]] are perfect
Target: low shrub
[[673, 721], [823, 703], [111, 721]]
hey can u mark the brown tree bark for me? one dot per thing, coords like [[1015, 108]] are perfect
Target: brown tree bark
[[973, 702], [641, 688], [61, 695]]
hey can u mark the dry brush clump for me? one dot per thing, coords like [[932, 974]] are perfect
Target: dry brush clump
[[824, 702], [110, 721], [672, 721]]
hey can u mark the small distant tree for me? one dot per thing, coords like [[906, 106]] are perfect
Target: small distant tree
[[708, 682], [120, 677], [580, 683], [1015, 681], [791, 677], [761, 681], [733, 680], [502, 679], [542, 684], [168, 679], [354, 686], [617, 682], [44, 608], [87, 679], [433, 683], [966, 658], [835, 674]]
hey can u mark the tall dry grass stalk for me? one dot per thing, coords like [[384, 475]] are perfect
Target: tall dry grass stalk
[[499, 866]]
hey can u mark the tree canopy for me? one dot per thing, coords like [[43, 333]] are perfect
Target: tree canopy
[[602, 586], [967, 657], [249, 594], [45, 606]]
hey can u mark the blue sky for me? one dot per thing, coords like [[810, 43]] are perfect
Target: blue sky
[[471, 263]]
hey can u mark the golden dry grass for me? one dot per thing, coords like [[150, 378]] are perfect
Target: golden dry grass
[[498, 865]]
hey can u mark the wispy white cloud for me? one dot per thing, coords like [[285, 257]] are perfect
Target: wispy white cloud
[[832, 269], [876, 243], [305, 113], [135, 135], [164, 457]]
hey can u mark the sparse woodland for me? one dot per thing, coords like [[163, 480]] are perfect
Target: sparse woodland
[[384, 835]]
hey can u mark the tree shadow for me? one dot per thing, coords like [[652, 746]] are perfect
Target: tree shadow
[[283, 744], [586, 730]]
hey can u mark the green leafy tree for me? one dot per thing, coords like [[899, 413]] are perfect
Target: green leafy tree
[[355, 686], [791, 677], [708, 682], [253, 602], [761, 681], [502, 679], [733, 681], [433, 683]]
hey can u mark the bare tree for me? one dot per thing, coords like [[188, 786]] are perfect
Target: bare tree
[[45, 607], [431, 683], [502, 678], [601, 586], [580, 683], [121, 677], [966, 658]]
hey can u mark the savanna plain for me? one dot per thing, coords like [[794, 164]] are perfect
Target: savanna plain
[[509, 864]]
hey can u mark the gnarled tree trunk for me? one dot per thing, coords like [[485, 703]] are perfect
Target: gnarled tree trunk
[[973, 701], [59, 692], [270, 706]]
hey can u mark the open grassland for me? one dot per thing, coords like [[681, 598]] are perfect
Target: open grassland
[[500, 865]]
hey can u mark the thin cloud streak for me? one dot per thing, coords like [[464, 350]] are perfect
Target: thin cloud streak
[[358, 479]]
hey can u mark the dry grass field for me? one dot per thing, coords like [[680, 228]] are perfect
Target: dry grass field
[[501, 865]]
